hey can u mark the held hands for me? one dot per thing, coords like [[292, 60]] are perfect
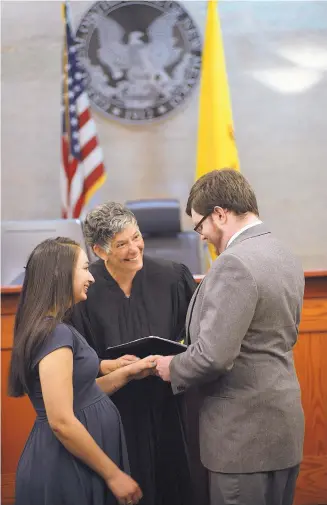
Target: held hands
[[151, 365], [137, 368], [142, 368], [125, 489], [163, 371], [110, 365], [127, 359]]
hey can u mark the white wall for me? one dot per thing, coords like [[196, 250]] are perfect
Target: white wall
[[277, 64]]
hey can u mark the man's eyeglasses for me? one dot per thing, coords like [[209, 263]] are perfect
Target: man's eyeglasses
[[198, 227]]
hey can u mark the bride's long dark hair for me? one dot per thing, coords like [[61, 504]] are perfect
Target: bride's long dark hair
[[47, 291]]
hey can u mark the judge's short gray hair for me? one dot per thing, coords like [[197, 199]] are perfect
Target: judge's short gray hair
[[104, 222]]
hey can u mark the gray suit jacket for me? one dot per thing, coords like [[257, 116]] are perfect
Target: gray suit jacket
[[242, 324]]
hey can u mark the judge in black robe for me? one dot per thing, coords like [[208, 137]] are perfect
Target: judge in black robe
[[151, 415]]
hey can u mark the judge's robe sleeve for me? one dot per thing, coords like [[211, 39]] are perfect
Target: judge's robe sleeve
[[185, 288]]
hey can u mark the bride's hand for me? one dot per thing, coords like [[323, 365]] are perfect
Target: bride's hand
[[125, 360], [142, 368], [110, 365], [125, 489]]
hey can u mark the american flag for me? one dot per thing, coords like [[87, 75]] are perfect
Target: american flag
[[82, 171]]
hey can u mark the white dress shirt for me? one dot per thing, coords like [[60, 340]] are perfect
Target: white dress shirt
[[233, 237]]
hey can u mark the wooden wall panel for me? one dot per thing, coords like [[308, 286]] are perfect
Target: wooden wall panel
[[311, 486], [8, 488], [310, 356], [7, 331], [17, 414], [17, 418], [314, 315]]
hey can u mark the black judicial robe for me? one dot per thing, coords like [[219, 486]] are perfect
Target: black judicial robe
[[151, 414]]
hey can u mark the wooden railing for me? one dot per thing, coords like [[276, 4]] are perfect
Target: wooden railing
[[310, 354], [17, 415]]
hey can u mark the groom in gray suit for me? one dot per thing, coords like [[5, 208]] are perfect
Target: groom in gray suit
[[242, 324]]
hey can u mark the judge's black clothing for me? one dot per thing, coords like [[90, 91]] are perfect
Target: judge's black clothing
[[157, 306], [151, 415]]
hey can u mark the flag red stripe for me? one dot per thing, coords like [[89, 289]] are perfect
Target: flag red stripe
[[79, 205], [84, 117], [88, 147], [88, 183], [73, 168], [93, 177], [69, 166]]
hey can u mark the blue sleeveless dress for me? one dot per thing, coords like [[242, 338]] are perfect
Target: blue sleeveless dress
[[47, 473]]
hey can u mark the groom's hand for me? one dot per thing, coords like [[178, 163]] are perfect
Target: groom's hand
[[163, 371]]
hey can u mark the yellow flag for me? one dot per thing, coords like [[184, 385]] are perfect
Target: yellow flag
[[216, 144]]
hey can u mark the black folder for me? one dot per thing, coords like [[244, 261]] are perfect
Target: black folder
[[143, 347]]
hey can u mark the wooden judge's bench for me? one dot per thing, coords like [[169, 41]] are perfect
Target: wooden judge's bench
[[17, 414]]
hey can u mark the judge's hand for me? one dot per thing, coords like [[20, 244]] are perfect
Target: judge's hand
[[125, 489], [163, 363], [142, 368], [110, 365]]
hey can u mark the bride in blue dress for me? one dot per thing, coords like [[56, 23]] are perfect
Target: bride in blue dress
[[76, 451]]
